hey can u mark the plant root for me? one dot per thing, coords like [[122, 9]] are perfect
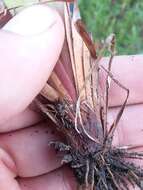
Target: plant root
[[96, 165]]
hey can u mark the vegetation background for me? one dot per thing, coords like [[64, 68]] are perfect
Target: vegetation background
[[122, 17], [102, 17]]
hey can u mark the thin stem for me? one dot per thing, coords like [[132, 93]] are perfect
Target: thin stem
[[92, 179], [87, 174], [107, 94], [110, 41], [117, 119], [113, 178]]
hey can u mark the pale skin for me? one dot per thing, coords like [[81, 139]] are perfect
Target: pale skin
[[27, 60]]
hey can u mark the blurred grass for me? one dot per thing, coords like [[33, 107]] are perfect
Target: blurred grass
[[122, 17], [12, 3]]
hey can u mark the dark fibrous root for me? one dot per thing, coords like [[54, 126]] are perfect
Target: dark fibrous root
[[104, 167]]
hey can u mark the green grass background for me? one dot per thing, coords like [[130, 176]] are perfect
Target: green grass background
[[102, 17]]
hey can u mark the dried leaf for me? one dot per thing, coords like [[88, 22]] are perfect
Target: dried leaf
[[50, 93], [57, 84], [87, 67], [5, 15], [68, 28]]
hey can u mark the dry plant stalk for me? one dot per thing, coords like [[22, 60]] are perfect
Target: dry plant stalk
[[5, 15], [80, 114]]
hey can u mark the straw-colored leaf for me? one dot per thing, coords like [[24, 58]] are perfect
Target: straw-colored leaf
[[87, 67], [68, 29], [78, 61], [78, 56], [50, 93], [57, 84]]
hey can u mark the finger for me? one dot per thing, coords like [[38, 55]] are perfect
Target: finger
[[129, 131], [7, 172], [28, 59], [60, 179], [24, 119], [128, 70], [30, 150], [35, 163], [130, 128]]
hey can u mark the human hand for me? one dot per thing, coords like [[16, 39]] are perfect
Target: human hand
[[128, 70], [25, 152], [27, 59]]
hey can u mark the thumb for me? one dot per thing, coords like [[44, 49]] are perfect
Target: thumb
[[30, 46]]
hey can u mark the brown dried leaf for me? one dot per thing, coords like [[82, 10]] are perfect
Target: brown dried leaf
[[86, 37], [5, 15]]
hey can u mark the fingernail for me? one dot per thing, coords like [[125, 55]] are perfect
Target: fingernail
[[32, 20]]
